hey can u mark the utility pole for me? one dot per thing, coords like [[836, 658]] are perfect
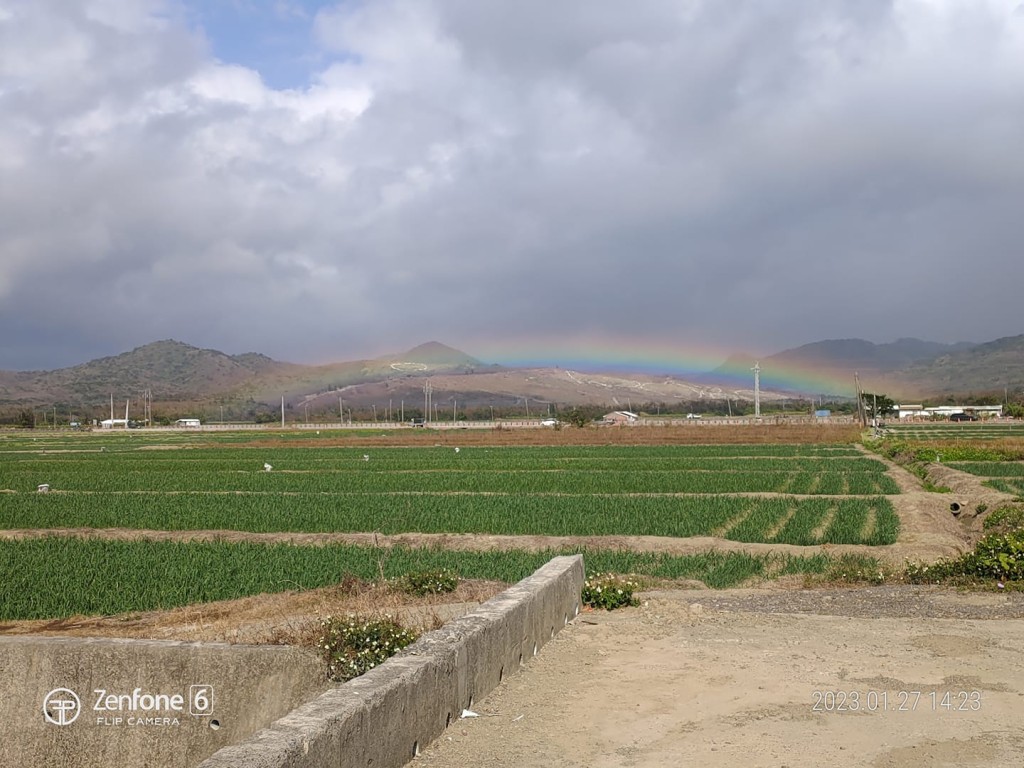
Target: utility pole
[[455, 404], [282, 411], [757, 389], [861, 411]]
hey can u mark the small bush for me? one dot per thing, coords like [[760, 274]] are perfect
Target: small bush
[[351, 585], [353, 645], [608, 591], [1005, 519], [424, 583], [997, 556], [853, 569]]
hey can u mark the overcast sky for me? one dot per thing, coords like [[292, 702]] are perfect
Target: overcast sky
[[325, 181]]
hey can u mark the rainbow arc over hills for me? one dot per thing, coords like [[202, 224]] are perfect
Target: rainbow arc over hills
[[684, 361]]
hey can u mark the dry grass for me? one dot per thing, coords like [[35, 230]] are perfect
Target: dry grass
[[286, 618]]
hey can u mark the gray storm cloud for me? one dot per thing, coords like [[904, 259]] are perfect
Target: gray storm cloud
[[755, 174]]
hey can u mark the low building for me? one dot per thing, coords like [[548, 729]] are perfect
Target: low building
[[910, 411], [981, 411], [112, 423], [945, 411], [620, 417]]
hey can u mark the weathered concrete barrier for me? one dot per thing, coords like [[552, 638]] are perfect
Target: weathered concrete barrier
[[92, 703], [384, 717]]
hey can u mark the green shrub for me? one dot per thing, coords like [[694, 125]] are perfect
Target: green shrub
[[1005, 519], [421, 583], [997, 556], [354, 645], [608, 591]]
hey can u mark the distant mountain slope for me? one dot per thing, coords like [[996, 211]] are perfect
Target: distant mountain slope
[[306, 382], [435, 354], [909, 368], [169, 369], [858, 354], [988, 368], [172, 370]]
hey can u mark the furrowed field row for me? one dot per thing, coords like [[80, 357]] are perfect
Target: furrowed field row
[[815, 521], [991, 468], [1015, 487], [963, 432], [113, 577], [316, 460], [605, 482], [676, 516], [81, 446]]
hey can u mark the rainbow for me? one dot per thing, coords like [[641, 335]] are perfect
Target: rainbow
[[658, 358]]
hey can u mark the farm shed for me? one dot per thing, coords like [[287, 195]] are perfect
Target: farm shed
[[620, 417]]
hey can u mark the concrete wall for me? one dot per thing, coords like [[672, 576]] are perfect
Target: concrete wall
[[384, 717], [251, 687]]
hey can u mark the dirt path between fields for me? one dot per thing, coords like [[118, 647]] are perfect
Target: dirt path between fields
[[756, 678]]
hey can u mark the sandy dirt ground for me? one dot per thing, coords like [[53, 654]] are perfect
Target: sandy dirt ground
[[739, 678]]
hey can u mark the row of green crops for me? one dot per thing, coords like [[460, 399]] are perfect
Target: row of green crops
[[71, 446], [991, 468], [966, 430], [1016, 487], [573, 482], [687, 469], [412, 460], [865, 520], [112, 577], [1005, 476]]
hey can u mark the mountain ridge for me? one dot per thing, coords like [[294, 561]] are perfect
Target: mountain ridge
[[175, 371]]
